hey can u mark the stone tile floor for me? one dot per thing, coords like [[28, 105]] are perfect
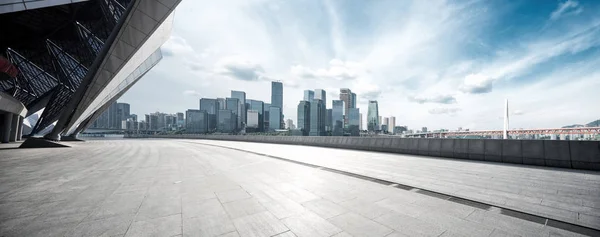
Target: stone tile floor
[[178, 188]]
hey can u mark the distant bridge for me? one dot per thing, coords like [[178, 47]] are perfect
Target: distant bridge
[[544, 131]]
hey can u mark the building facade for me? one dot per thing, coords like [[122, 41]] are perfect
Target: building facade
[[253, 121], [234, 105], [346, 96], [337, 117], [373, 116], [354, 121], [304, 117], [276, 101], [196, 121], [274, 118], [317, 118], [227, 121], [309, 95], [321, 94], [392, 124], [240, 95], [259, 107]]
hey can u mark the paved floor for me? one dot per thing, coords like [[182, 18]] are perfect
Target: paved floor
[[182, 187]]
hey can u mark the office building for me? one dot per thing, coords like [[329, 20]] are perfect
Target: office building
[[276, 101], [309, 95], [346, 96], [267, 116], [361, 122], [380, 122], [337, 117], [392, 124], [317, 118], [259, 107], [196, 121], [385, 121], [373, 116], [328, 120], [180, 119], [211, 106], [354, 102], [274, 118], [253, 122], [321, 94], [424, 129], [289, 123], [354, 122], [240, 95], [221, 104], [234, 105], [304, 117], [227, 121], [400, 129]]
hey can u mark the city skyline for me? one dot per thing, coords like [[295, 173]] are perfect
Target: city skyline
[[434, 72]]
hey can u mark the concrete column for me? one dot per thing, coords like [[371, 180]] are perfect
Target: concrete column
[[14, 128], [6, 127], [20, 129]]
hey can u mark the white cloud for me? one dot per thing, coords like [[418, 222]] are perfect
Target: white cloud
[[450, 111], [177, 46], [440, 99], [337, 70], [240, 68], [566, 8], [192, 93], [476, 84]]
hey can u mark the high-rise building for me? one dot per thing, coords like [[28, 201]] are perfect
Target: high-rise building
[[392, 124], [354, 121], [373, 116], [275, 116], [346, 96], [379, 122], [234, 105], [309, 95], [354, 100], [400, 129], [289, 123], [321, 94], [328, 120], [385, 121], [337, 117], [304, 117], [317, 118], [424, 129], [211, 106], [180, 119], [361, 122], [259, 107], [252, 120], [276, 101], [196, 121], [123, 110], [267, 116], [227, 121], [240, 95], [221, 103]]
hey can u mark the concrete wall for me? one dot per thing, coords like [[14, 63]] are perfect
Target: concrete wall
[[562, 154]]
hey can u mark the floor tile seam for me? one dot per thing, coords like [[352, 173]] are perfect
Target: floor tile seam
[[451, 195]]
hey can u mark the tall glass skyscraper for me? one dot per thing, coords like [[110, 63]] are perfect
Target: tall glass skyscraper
[[304, 117], [353, 105], [373, 116], [274, 116], [346, 96], [317, 118], [321, 94], [211, 106], [234, 105], [337, 117], [309, 95], [196, 121], [276, 101], [258, 106], [240, 95], [354, 121]]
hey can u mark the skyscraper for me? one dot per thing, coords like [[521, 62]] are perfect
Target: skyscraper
[[259, 107], [361, 122], [317, 118], [211, 106], [276, 101], [328, 120], [354, 121], [234, 105], [346, 96], [373, 116], [227, 121], [304, 117], [221, 103], [354, 100], [337, 117], [196, 121], [309, 95], [321, 94], [240, 95], [385, 124], [274, 117], [290, 124], [392, 124], [267, 116], [252, 120]]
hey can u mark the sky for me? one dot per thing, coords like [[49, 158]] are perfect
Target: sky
[[435, 63]]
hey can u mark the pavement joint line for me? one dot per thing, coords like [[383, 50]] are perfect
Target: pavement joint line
[[503, 211]]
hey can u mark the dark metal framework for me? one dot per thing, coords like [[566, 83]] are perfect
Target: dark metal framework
[[62, 43]]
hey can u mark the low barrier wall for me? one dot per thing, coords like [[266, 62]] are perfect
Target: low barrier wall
[[563, 154]]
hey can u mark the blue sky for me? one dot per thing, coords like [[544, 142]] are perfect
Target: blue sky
[[440, 64]]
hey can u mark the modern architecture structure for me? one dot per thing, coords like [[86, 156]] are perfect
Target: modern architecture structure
[[309, 95], [196, 121], [392, 124], [354, 121], [221, 103], [385, 125], [253, 122], [354, 100], [346, 95], [317, 118], [373, 116], [74, 59], [211, 106], [337, 117], [328, 120], [321, 94], [424, 129], [267, 116], [240, 95], [259, 107], [361, 122], [227, 121], [276, 101], [289, 123], [274, 118], [304, 117], [234, 105]]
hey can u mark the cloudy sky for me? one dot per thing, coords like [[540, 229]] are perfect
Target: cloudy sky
[[440, 64]]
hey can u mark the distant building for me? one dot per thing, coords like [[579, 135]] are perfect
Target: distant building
[[253, 123], [424, 129], [337, 116], [221, 104], [304, 117], [392, 124], [346, 96], [180, 119], [328, 120], [274, 118], [227, 121], [267, 116], [354, 100], [361, 122], [321, 94], [354, 121], [309, 95], [317, 118], [400, 129], [211, 106], [240, 95], [385, 125], [276, 101], [196, 121], [259, 107], [290, 124], [373, 116], [234, 105]]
